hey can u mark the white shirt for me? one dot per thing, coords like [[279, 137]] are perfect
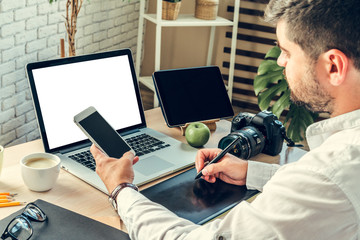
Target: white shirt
[[317, 197]]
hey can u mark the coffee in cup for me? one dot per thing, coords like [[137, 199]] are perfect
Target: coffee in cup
[[41, 163], [40, 171]]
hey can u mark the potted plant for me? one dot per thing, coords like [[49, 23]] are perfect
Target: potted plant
[[273, 93], [170, 9], [72, 10]]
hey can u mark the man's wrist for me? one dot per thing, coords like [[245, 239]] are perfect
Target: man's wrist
[[117, 190]]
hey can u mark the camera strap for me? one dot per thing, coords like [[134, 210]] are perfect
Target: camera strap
[[290, 143]]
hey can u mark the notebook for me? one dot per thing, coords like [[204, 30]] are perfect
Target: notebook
[[65, 224], [197, 200], [61, 88]]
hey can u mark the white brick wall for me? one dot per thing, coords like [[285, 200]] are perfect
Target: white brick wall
[[30, 30]]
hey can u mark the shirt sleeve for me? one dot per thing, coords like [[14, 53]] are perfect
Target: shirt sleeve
[[286, 209], [258, 174]]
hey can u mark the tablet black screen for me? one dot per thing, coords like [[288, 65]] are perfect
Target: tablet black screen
[[192, 94], [197, 200]]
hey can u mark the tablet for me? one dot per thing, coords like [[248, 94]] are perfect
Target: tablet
[[192, 94], [197, 200]]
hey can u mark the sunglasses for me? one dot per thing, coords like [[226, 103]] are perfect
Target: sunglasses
[[20, 227]]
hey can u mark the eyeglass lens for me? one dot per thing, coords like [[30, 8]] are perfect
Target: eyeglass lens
[[20, 227], [34, 213]]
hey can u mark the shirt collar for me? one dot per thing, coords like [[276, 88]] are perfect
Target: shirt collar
[[318, 132]]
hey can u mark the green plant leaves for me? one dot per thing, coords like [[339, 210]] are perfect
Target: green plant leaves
[[268, 66], [265, 97], [273, 53], [282, 103], [270, 82], [299, 118], [262, 82]]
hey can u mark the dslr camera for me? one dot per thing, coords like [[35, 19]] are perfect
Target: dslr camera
[[260, 133]]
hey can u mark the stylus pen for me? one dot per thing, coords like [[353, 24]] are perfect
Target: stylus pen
[[220, 155]]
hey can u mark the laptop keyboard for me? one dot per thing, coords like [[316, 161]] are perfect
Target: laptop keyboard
[[142, 144], [85, 158]]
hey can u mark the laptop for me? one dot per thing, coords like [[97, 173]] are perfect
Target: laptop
[[62, 88]]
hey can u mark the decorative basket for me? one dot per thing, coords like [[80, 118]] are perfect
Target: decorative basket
[[206, 9], [170, 10]]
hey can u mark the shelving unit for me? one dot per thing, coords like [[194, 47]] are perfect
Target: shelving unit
[[184, 20]]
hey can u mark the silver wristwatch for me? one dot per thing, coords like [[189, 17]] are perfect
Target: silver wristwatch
[[116, 191]]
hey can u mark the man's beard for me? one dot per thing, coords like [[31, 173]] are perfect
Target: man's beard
[[311, 95]]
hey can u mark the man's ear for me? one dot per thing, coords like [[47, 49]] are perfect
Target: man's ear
[[338, 64]]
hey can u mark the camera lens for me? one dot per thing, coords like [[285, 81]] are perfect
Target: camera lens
[[251, 142]]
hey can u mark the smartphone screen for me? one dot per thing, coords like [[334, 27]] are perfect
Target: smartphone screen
[[103, 135]]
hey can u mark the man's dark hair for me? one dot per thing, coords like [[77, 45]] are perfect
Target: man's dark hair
[[320, 25]]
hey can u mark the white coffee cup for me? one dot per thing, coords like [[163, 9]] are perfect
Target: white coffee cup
[[40, 171], [1, 157]]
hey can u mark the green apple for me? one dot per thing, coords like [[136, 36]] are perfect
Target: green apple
[[197, 134]]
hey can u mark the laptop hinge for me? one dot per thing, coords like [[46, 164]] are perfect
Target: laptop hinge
[[129, 132], [78, 146]]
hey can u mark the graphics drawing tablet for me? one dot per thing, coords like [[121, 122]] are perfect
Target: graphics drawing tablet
[[197, 200]]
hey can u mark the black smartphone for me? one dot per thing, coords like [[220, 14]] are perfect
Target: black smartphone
[[100, 132]]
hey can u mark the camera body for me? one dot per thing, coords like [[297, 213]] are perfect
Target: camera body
[[258, 133]]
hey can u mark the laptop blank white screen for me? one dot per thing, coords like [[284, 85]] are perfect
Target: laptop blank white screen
[[65, 90]]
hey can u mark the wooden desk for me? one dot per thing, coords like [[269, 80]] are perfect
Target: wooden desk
[[76, 195]]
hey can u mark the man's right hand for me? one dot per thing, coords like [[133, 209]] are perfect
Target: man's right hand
[[113, 171], [230, 169]]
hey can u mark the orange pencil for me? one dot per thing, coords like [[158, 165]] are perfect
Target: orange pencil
[[5, 200], [9, 204], [4, 197], [7, 194]]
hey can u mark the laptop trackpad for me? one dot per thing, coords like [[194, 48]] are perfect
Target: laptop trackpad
[[151, 165]]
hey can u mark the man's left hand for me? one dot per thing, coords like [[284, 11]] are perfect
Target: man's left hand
[[113, 171]]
